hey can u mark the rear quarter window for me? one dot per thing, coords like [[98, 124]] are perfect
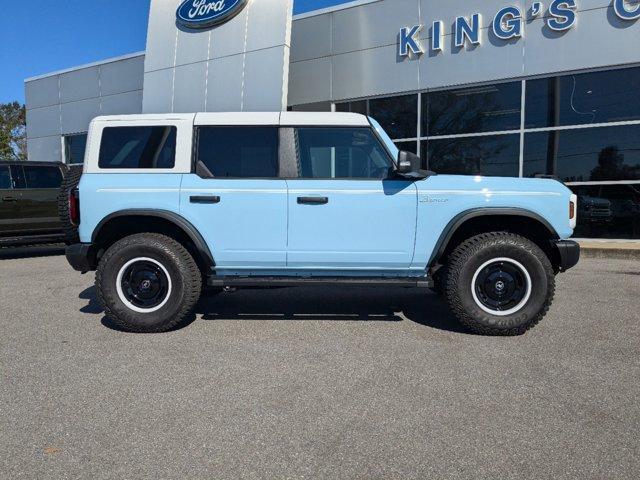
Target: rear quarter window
[[42, 177], [138, 147]]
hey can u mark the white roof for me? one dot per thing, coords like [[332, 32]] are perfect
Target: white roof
[[338, 119]]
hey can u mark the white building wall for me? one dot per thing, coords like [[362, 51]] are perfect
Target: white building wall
[[64, 103]]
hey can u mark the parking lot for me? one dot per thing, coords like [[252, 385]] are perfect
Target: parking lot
[[316, 383]]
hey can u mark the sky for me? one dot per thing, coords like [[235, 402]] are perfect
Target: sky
[[42, 36]]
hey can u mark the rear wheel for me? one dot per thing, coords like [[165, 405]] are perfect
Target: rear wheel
[[148, 283], [499, 283]]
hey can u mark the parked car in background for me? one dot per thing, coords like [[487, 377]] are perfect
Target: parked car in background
[[29, 203]]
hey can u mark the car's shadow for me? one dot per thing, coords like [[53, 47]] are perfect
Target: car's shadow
[[314, 304], [15, 253]]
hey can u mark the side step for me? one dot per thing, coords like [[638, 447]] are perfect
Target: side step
[[31, 240], [419, 282]]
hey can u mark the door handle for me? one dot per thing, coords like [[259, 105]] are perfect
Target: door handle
[[205, 199], [313, 200], [9, 199]]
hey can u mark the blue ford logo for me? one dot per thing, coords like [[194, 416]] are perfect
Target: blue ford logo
[[207, 13]]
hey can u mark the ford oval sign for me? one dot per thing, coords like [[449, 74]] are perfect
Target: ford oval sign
[[207, 13]]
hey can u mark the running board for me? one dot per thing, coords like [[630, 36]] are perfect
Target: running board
[[28, 240], [419, 282]]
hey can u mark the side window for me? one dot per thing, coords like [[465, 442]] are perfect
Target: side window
[[138, 147], [5, 178], [341, 153], [42, 177], [17, 175], [239, 152]]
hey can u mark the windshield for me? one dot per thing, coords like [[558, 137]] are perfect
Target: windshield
[[385, 138]]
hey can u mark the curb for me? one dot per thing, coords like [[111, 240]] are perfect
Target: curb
[[624, 251]]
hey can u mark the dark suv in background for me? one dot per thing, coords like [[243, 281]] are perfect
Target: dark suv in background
[[29, 203]]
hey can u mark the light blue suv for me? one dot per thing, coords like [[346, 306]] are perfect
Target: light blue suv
[[170, 206]]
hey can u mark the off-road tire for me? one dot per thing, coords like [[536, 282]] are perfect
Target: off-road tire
[[69, 182], [469, 256], [185, 276]]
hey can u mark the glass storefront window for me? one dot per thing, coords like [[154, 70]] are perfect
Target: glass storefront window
[[472, 110], [408, 146], [582, 155], [75, 146], [595, 97], [397, 115], [608, 211], [359, 106], [494, 155]]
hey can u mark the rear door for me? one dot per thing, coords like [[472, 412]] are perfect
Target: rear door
[[9, 205], [39, 198], [242, 211]]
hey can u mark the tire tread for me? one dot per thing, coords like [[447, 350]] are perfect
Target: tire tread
[[464, 252], [191, 273]]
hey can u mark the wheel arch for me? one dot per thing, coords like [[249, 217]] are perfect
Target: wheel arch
[[122, 223], [485, 219]]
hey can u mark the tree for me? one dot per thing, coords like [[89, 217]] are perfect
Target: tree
[[13, 132]]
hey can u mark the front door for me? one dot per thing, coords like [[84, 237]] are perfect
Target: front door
[[345, 213], [241, 211]]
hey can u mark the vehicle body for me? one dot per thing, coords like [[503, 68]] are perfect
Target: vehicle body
[[29, 203], [289, 198]]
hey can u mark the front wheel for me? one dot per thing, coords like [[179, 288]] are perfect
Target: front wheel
[[148, 283], [499, 283]]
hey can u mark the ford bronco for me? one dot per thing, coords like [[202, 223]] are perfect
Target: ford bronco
[[171, 206]]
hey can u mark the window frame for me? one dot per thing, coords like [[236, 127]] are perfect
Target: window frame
[[392, 163], [184, 124], [279, 159]]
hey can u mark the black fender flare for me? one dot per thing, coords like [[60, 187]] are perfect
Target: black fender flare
[[179, 221], [457, 221]]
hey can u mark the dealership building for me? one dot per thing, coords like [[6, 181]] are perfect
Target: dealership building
[[475, 87]]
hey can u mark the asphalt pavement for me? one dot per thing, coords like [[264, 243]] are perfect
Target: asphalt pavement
[[316, 383]]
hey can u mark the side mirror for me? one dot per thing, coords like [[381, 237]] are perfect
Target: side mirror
[[408, 162], [409, 166]]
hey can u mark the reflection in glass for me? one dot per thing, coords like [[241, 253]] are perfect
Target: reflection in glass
[[595, 97], [472, 110], [239, 152], [494, 155], [608, 211], [408, 146], [359, 106], [397, 115], [591, 154]]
